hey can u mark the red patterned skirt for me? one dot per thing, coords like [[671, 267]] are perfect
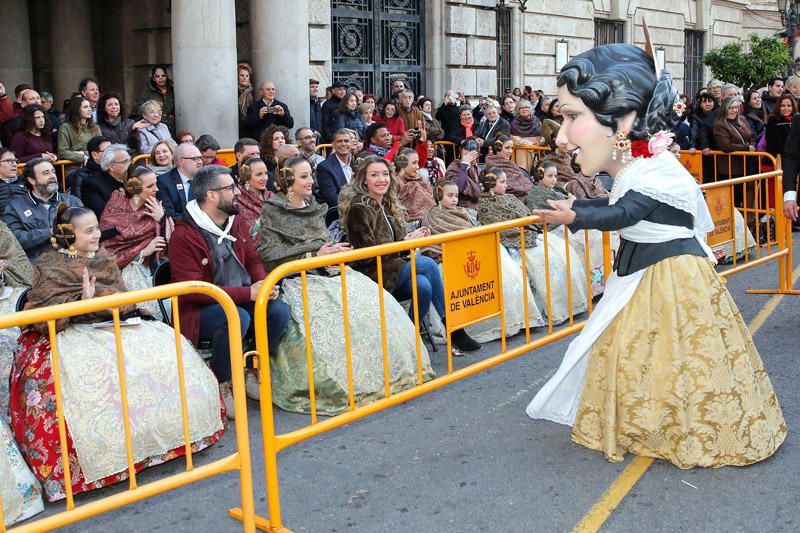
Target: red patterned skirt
[[35, 425]]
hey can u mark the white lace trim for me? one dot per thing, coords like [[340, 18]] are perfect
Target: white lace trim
[[674, 201], [678, 202]]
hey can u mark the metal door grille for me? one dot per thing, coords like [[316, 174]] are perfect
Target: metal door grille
[[374, 40]]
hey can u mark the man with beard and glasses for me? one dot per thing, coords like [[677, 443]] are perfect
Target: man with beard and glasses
[[30, 217], [211, 244]]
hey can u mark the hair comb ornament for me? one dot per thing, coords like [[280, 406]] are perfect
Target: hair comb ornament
[[650, 49], [65, 232]]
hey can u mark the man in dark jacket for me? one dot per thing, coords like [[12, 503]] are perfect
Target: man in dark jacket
[[330, 111], [96, 191], [175, 186], [336, 171], [244, 149], [211, 244], [771, 95], [11, 185], [75, 179], [315, 109], [267, 111], [30, 217]]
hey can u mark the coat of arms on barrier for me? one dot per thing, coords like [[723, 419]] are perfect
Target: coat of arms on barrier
[[472, 267]]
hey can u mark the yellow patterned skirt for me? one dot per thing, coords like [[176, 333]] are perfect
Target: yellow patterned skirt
[[676, 376]]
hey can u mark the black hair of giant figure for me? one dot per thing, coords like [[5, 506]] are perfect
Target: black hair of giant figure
[[614, 80]]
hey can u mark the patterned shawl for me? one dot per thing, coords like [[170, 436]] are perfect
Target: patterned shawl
[[245, 99], [416, 195], [17, 270], [288, 232], [135, 229], [250, 206], [537, 199], [584, 187], [501, 207], [517, 183], [58, 279], [441, 220], [526, 127], [563, 163]]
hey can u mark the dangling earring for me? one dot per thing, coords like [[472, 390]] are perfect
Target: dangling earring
[[290, 195], [136, 199], [72, 252], [622, 147]]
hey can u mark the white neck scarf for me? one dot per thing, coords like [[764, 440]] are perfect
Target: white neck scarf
[[204, 221], [663, 178]]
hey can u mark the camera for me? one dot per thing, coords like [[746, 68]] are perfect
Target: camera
[[272, 109], [453, 97]]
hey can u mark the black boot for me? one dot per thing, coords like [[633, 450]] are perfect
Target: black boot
[[464, 342]]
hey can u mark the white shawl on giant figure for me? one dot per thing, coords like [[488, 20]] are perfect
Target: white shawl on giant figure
[[662, 178]]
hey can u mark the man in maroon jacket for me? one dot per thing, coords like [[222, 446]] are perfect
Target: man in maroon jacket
[[210, 244]]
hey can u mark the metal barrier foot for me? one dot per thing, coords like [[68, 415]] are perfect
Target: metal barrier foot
[[261, 523], [772, 291]]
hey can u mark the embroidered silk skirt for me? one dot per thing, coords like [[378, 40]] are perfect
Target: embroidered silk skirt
[[676, 376]]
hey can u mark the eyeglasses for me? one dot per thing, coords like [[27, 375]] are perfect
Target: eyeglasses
[[197, 159], [230, 187], [159, 75], [12, 161], [123, 162]]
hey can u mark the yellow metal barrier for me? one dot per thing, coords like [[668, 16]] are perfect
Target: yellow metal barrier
[[144, 159], [240, 460], [528, 156], [62, 166], [274, 442], [324, 149], [448, 146], [767, 185], [227, 156], [718, 165]]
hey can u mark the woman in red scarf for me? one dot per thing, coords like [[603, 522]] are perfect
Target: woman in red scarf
[[467, 121], [136, 215], [253, 178]]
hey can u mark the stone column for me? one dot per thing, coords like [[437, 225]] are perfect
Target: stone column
[[279, 49], [15, 46], [435, 50], [204, 68], [73, 54]]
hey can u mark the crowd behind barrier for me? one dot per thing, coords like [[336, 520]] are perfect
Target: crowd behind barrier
[[137, 174]]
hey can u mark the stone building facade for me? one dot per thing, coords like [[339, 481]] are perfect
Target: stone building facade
[[471, 45]]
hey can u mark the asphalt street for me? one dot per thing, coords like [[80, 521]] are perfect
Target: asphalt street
[[467, 458]]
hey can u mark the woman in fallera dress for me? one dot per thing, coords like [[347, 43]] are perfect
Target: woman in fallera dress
[[80, 269], [292, 226], [665, 366], [20, 493]]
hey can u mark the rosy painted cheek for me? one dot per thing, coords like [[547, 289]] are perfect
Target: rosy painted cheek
[[577, 131]]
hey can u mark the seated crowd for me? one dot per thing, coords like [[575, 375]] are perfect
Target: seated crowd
[[384, 181]]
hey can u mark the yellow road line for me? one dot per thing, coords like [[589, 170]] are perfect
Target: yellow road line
[[601, 510], [611, 498], [770, 306]]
